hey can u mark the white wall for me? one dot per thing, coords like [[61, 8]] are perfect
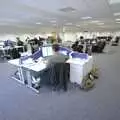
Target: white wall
[[73, 36], [22, 37], [65, 36], [6, 37]]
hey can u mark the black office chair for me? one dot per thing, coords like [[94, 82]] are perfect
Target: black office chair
[[74, 47], [80, 48], [15, 53]]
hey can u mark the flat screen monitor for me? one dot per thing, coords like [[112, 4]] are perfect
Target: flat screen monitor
[[47, 51]]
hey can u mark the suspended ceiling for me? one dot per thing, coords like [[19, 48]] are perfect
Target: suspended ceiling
[[45, 15]]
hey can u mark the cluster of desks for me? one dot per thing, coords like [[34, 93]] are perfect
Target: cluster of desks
[[5, 50], [25, 69], [79, 68]]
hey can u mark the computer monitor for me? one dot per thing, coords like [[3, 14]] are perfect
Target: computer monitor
[[47, 51]]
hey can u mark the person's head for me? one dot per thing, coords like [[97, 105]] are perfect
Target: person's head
[[28, 38], [77, 42], [18, 39], [81, 37], [55, 48]]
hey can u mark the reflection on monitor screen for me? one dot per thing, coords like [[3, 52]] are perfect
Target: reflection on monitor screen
[[50, 52], [47, 51], [44, 51]]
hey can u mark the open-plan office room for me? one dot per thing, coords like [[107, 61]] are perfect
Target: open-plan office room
[[59, 59]]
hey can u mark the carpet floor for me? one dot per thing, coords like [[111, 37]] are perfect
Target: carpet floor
[[101, 103]]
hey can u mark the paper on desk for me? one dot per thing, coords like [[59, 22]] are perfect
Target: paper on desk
[[28, 61], [39, 59], [38, 67], [25, 54]]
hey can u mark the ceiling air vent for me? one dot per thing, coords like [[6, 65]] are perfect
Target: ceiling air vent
[[67, 9]]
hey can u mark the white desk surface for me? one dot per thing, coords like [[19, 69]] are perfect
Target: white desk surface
[[8, 47], [36, 66], [39, 66], [14, 62], [78, 61], [18, 46], [25, 53]]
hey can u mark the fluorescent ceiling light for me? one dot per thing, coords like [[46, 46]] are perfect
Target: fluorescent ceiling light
[[117, 22], [54, 24], [78, 25], [95, 21], [85, 24], [117, 19], [53, 21], [68, 24], [38, 23], [100, 23], [117, 14], [102, 26], [51, 18], [86, 18], [114, 1]]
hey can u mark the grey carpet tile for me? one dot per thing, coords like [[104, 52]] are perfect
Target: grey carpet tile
[[102, 103]]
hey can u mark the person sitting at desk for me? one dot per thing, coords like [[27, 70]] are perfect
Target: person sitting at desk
[[19, 42], [75, 45]]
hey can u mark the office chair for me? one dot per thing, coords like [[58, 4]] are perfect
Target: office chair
[[80, 48]]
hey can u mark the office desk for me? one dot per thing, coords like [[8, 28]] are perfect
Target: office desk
[[79, 69], [10, 48], [4, 49], [28, 67]]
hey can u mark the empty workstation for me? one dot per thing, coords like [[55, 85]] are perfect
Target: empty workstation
[[59, 59]]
